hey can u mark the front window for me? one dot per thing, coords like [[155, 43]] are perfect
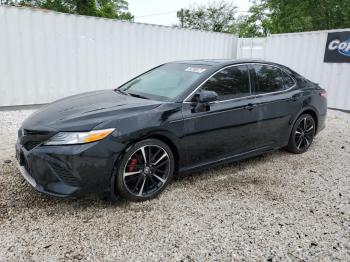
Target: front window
[[229, 83], [165, 82]]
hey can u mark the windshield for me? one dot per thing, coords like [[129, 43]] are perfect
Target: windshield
[[165, 82]]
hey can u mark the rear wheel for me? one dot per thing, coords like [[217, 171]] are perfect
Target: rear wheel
[[145, 170], [302, 135]]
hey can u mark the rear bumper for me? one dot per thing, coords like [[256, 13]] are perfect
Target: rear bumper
[[321, 123], [69, 171]]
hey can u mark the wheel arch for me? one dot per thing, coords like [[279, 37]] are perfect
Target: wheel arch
[[311, 111], [163, 136], [167, 140], [166, 137]]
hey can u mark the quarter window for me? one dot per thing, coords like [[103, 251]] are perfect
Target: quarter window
[[229, 83], [268, 79], [288, 81]]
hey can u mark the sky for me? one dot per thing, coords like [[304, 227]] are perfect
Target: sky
[[166, 9]]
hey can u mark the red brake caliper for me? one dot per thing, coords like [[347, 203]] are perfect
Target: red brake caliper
[[132, 164]]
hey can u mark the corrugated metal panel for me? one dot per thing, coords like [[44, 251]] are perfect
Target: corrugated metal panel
[[304, 53], [251, 47], [47, 55]]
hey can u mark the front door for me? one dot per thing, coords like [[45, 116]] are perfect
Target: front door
[[227, 126]]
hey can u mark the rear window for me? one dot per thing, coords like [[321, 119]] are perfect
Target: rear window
[[268, 79]]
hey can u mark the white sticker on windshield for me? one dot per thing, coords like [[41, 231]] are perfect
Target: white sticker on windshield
[[195, 69]]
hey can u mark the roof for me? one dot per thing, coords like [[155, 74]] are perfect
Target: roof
[[216, 64], [220, 62]]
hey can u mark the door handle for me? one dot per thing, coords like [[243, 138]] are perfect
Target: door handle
[[250, 106]]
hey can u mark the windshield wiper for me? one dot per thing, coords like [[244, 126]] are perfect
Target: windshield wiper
[[122, 92], [136, 95]]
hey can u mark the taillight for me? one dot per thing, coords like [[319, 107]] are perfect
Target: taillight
[[323, 93]]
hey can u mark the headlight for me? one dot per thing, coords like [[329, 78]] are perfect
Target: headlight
[[71, 138]]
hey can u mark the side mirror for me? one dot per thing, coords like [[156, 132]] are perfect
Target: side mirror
[[200, 101], [208, 96], [205, 97]]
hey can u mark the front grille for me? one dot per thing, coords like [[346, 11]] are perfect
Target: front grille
[[32, 138], [23, 162], [31, 144], [28, 132]]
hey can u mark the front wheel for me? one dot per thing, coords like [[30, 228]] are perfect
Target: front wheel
[[145, 170], [302, 135]]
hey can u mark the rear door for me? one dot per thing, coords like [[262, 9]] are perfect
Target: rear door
[[228, 126], [278, 100]]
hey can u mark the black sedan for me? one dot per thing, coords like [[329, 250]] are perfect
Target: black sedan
[[177, 117]]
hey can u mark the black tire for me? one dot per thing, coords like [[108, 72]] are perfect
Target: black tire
[[139, 179], [302, 134]]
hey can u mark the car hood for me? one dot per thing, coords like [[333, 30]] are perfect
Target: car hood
[[85, 111]]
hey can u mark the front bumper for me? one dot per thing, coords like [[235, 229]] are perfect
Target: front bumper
[[70, 171]]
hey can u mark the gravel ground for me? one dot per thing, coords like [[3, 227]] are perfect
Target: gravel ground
[[274, 207]]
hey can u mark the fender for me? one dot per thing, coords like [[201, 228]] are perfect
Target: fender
[[301, 111], [167, 137]]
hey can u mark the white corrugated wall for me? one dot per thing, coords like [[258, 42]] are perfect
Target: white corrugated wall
[[47, 55], [304, 53], [251, 47]]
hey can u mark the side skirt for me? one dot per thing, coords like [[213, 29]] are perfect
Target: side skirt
[[228, 159]]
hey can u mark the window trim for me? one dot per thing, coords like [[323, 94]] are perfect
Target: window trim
[[250, 83]]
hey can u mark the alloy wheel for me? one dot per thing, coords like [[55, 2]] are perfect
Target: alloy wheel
[[146, 170], [304, 133]]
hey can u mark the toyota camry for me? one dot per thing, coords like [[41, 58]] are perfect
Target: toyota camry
[[178, 117]]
